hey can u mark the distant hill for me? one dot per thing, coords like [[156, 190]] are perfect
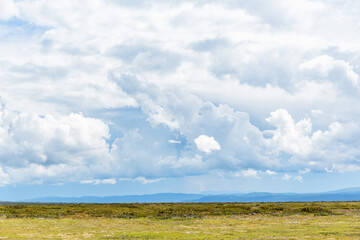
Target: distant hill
[[283, 197], [148, 198], [349, 194]]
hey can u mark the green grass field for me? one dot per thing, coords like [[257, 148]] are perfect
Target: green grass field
[[332, 220]]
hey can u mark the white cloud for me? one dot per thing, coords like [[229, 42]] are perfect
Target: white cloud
[[99, 181], [34, 147], [250, 173], [329, 170], [239, 140], [307, 170], [299, 178], [269, 82], [336, 71], [4, 178], [142, 180], [7, 9], [341, 167], [206, 144], [316, 112], [269, 172], [238, 137], [290, 136], [137, 155], [286, 177]]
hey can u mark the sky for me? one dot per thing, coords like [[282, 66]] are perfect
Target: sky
[[138, 96]]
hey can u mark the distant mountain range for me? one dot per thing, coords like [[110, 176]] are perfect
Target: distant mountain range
[[148, 198], [348, 194]]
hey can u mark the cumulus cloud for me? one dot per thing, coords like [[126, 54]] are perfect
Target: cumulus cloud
[[307, 170], [33, 146], [271, 173], [317, 150], [7, 9], [326, 68], [250, 173], [299, 178], [290, 136], [206, 144], [217, 86], [99, 181], [238, 140], [286, 177], [38, 149], [142, 180], [4, 178], [290, 145]]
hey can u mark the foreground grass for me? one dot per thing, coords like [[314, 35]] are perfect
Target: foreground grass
[[336, 220], [222, 227]]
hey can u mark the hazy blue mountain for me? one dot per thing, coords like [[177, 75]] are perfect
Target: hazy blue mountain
[[346, 190], [148, 198], [349, 194], [340, 195], [249, 197]]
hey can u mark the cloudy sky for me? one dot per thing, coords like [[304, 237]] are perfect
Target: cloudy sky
[[138, 96]]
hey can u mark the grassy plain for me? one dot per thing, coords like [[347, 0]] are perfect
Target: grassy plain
[[331, 220]]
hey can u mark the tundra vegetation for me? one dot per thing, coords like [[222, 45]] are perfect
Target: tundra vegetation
[[181, 221]]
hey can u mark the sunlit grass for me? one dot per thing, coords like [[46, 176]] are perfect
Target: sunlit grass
[[337, 220]]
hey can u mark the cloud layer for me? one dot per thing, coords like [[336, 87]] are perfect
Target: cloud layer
[[101, 91]]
